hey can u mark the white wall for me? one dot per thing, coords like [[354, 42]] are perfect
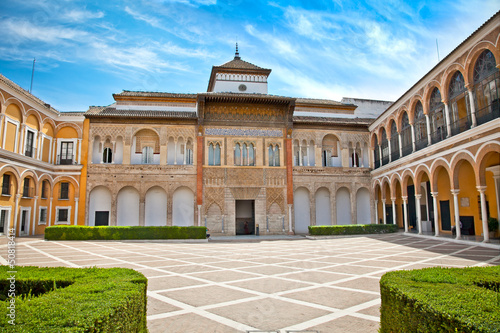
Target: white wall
[[232, 86], [96, 154], [302, 210], [118, 158], [363, 212], [323, 212], [156, 207], [343, 206], [128, 207], [183, 207], [100, 200]]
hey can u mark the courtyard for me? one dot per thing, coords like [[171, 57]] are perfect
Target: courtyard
[[239, 285]]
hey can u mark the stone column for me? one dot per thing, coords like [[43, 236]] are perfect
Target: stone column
[[376, 211], [22, 138], [101, 152], [76, 212], [413, 145], [300, 155], [308, 156], [428, 123], [436, 217], [390, 149], [16, 213], [400, 145], [405, 213], [484, 215], [290, 231], [199, 216], [39, 146], [448, 119], [384, 211], [394, 219], [142, 212], [472, 108], [49, 214], [79, 151], [175, 152], [380, 154], [4, 122], [419, 213], [114, 152], [457, 213]]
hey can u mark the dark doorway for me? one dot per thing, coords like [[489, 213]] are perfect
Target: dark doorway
[[467, 225], [101, 219], [412, 211], [388, 214], [245, 217], [445, 214]]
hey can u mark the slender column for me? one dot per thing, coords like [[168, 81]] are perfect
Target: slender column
[[114, 152], [308, 156], [39, 146], [185, 154], [35, 198], [52, 150], [428, 123], [79, 151], [2, 118], [413, 145], [76, 212], [384, 211], [290, 231], [436, 217], [390, 150], [394, 220], [457, 213], [20, 147], [50, 212], [380, 154], [199, 216], [496, 179], [101, 152], [175, 152], [376, 211], [300, 155], [472, 108], [448, 119], [419, 213], [400, 145], [486, 231], [405, 213], [16, 213]]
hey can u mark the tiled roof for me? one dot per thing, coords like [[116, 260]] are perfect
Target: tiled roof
[[331, 121], [320, 101], [240, 64], [128, 93], [101, 111]]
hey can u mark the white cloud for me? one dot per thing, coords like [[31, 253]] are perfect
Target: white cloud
[[279, 44], [152, 21], [24, 29], [77, 15]]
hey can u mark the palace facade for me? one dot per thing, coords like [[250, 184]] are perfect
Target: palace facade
[[236, 157]]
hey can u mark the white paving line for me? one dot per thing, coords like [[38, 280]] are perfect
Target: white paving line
[[51, 256]]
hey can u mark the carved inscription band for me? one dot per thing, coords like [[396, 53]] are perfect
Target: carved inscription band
[[243, 132]]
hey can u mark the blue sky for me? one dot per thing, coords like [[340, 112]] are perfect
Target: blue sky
[[87, 50]]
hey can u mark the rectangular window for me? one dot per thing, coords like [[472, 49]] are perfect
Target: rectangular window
[[62, 215], [66, 156], [44, 189], [29, 143], [3, 219], [64, 194], [43, 215], [6, 185]]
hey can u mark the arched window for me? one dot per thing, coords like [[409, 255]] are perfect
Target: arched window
[[251, 157], [271, 155], [459, 103], [486, 88], [277, 156], [211, 154], [245, 154], [384, 144], [436, 113], [329, 151], [147, 155], [217, 154], [406, 141], [237, 154], [376, 152], [355, 160], [394, 142], [107, 155], [420, 127]]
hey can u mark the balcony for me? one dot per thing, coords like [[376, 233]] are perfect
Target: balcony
[[65, 160], [488, 113], [461, 125], [30, 152]]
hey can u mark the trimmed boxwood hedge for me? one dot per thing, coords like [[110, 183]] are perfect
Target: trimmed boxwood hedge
[[77, 232], [351, 229], [441, 300], [61, 299]]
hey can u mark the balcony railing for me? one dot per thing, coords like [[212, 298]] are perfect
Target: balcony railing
[[421, 144], [385, 160], [438, 135], [30, 152], [461, 125], [65, 160], [407, 149], [488, 113]]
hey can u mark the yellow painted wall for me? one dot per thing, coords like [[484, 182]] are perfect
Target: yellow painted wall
[[32, 122], [63, 202], [46, 150], [67, 133], [48, 130], [14, 112], [444, 194], [10, 137], [467, 185]]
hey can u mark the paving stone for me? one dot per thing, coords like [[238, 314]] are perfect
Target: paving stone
[[191, 323], [206, 295], [331, 297], [348, 324], [270, 285]]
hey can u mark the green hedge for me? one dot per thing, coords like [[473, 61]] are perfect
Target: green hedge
[[351, 229], [77, 232], [61, 299], [441, 300]]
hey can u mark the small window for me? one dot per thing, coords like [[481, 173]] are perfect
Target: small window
[[62, 215], [64, 194], [6, 185], [147, 155], [29, 144], [26, 188], [107, 155], [43, 215], [44, 189], [3, 219]]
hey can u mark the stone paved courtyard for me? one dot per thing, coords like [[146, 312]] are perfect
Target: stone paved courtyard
[[327, 285]]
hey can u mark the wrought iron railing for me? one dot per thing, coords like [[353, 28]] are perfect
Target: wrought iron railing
[[438, 135], [488, 113], [65, 160], [461, 125], [30, 152]]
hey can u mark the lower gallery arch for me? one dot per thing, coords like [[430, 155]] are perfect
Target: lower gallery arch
[[323, 211], [343, 199], [99, 206], [489, 171], [444, 200], [302, 210], [363, 213], [214, 218], [156, 207], [468, 203], [183, 207], [127, 207]]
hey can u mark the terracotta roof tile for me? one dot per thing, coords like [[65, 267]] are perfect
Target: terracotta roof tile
[[113, 112]]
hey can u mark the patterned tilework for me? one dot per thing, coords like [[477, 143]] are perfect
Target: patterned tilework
[[243, 132]]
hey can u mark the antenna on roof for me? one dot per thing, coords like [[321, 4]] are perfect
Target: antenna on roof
[[237, 54], [437, 48], [32, 74]]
